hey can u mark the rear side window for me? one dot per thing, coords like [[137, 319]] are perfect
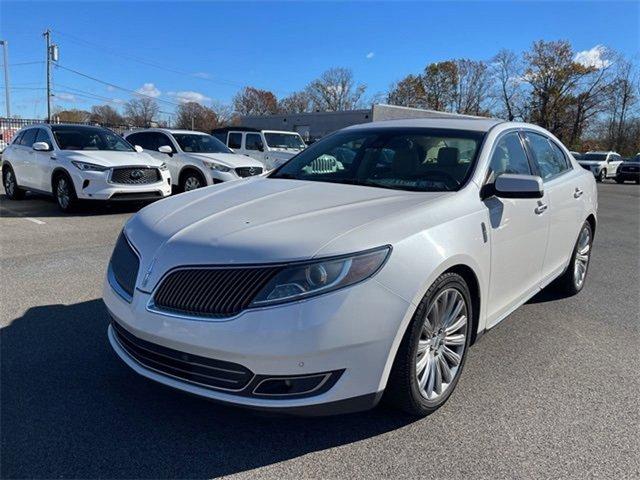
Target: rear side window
[[144, 140], [235, 140], [253, 141], [547, 155], [509, 156], [29, 137]]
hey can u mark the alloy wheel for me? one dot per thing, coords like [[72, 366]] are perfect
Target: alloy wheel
[[441, 344], [583, 252], [62, 193], [9, 183], [191, 183]]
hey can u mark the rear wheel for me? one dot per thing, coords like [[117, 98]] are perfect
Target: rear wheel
[[573, 279], [191, 180], [432, 353], [65, 193], [602, 175], [11, 188]]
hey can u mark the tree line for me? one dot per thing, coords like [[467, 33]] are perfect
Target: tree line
[[589, 103]]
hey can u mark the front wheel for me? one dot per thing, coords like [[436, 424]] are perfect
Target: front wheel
[[602, 175], [432, 353], [65, 193], [573, 279], [191, 181]]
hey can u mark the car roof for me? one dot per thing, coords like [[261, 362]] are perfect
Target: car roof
[[602, 151], [166, 130], [474, 124]]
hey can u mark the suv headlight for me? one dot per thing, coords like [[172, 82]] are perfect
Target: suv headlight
[[89, 167], [216, 166], [321, 276]]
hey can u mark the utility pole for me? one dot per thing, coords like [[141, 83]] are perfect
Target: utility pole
[[7, 88], [47, 36]]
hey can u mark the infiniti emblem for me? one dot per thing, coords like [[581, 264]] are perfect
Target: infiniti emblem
[[136, 174]]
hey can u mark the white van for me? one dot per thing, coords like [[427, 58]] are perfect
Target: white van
[[271, 147]]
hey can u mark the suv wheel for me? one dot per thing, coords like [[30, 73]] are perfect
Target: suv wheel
[[191, 180], [65, 193], [573, 279], [432, 353], [602, 175], [11, 188]]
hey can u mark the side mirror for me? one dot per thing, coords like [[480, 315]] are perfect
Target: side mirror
[[261, 148], [510, 185], [41, 147], [138, 148], [165, 149]]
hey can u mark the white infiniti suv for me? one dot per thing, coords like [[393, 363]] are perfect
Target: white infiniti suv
[[317, 290], [195, 159], [80, 162]]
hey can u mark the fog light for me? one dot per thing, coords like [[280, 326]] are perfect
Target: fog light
[[296, 386], [85, 184]]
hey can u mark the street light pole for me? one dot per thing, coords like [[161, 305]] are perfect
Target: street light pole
[[47, 36], [7, 88]]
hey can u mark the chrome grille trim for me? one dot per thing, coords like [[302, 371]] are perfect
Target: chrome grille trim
[[210, 292], [248, 171], [121, 176]]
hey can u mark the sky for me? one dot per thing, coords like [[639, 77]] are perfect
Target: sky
[[206, 51]]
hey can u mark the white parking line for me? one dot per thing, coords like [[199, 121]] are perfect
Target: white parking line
[[35, 220], [19, 215]]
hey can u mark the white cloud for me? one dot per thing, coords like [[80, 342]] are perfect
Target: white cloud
[[66, 97], [110, 88], [201, 75], [370, 55], [189, 96], [150, 90], [593, 58], [117, 101]]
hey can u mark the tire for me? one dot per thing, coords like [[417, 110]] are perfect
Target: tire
[[191, 180], [65, 193], [568, 283], [10, 182], [404, 389], [601, 176]]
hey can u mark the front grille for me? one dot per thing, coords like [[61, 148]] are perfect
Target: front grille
[[124, 265], [135, 176], [248, 171], [211, 292], [212, 373]]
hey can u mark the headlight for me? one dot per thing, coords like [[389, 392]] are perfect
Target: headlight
[[89, 167], [216, 166], [313, 278], [163, 167]]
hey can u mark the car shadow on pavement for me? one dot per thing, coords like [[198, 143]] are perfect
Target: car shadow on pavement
[[70, 408], [36, 205]]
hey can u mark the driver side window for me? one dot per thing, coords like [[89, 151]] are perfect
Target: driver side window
[[509, 157]]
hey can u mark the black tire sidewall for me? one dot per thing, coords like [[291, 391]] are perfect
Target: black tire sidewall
[[190, 174], [17, 191], [72, 192]]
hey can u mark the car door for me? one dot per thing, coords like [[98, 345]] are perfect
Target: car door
[[234, 142], [23, 162], [254, 146], [174, 162], [563, 187], [43, 163], [518, 230]]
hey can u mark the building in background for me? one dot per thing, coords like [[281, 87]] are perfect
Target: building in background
[[315, 125]]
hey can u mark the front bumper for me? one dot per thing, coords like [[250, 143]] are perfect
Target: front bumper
[[626, 175], [96, 186], [216, 176], [350, 331]]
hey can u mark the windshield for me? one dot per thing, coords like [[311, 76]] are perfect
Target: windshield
[[594, 156], [77, 137], [284, 140], [200, 143], [423, 160]]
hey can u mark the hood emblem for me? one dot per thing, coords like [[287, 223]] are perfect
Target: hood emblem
[[147, 274], [136, 174]]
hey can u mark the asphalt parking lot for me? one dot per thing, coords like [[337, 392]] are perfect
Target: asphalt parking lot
[[550, 392]]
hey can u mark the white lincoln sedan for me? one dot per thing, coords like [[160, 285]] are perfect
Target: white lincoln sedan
[[363, 268], [80, 162]]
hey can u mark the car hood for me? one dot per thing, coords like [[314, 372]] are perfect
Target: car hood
[[591, 162], [263, 220], [232, 160], [111, 159]]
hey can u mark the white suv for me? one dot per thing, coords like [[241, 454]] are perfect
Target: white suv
[[80, 162], [601, 164], [271, 147], [195, 159]]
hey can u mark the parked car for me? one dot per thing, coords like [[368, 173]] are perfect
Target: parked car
[[601, 164], [629, 170], [79, 162], [271, 147], [577, 155], [195, 159], [314, 290]]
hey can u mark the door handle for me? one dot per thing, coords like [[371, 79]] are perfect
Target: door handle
[[578, 193], [541, 208]]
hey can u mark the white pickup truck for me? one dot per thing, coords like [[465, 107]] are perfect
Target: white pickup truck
[[271, 147], [601, 164]]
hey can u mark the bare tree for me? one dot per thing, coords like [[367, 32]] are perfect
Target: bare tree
[[335, 90], [141, 111], [408, 92], [472, 87], [106, 115], [625, 88], [440, 81], [253, 101], [193, 116], [73, 116], [224, 112], [506, 72], [297, 102]]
